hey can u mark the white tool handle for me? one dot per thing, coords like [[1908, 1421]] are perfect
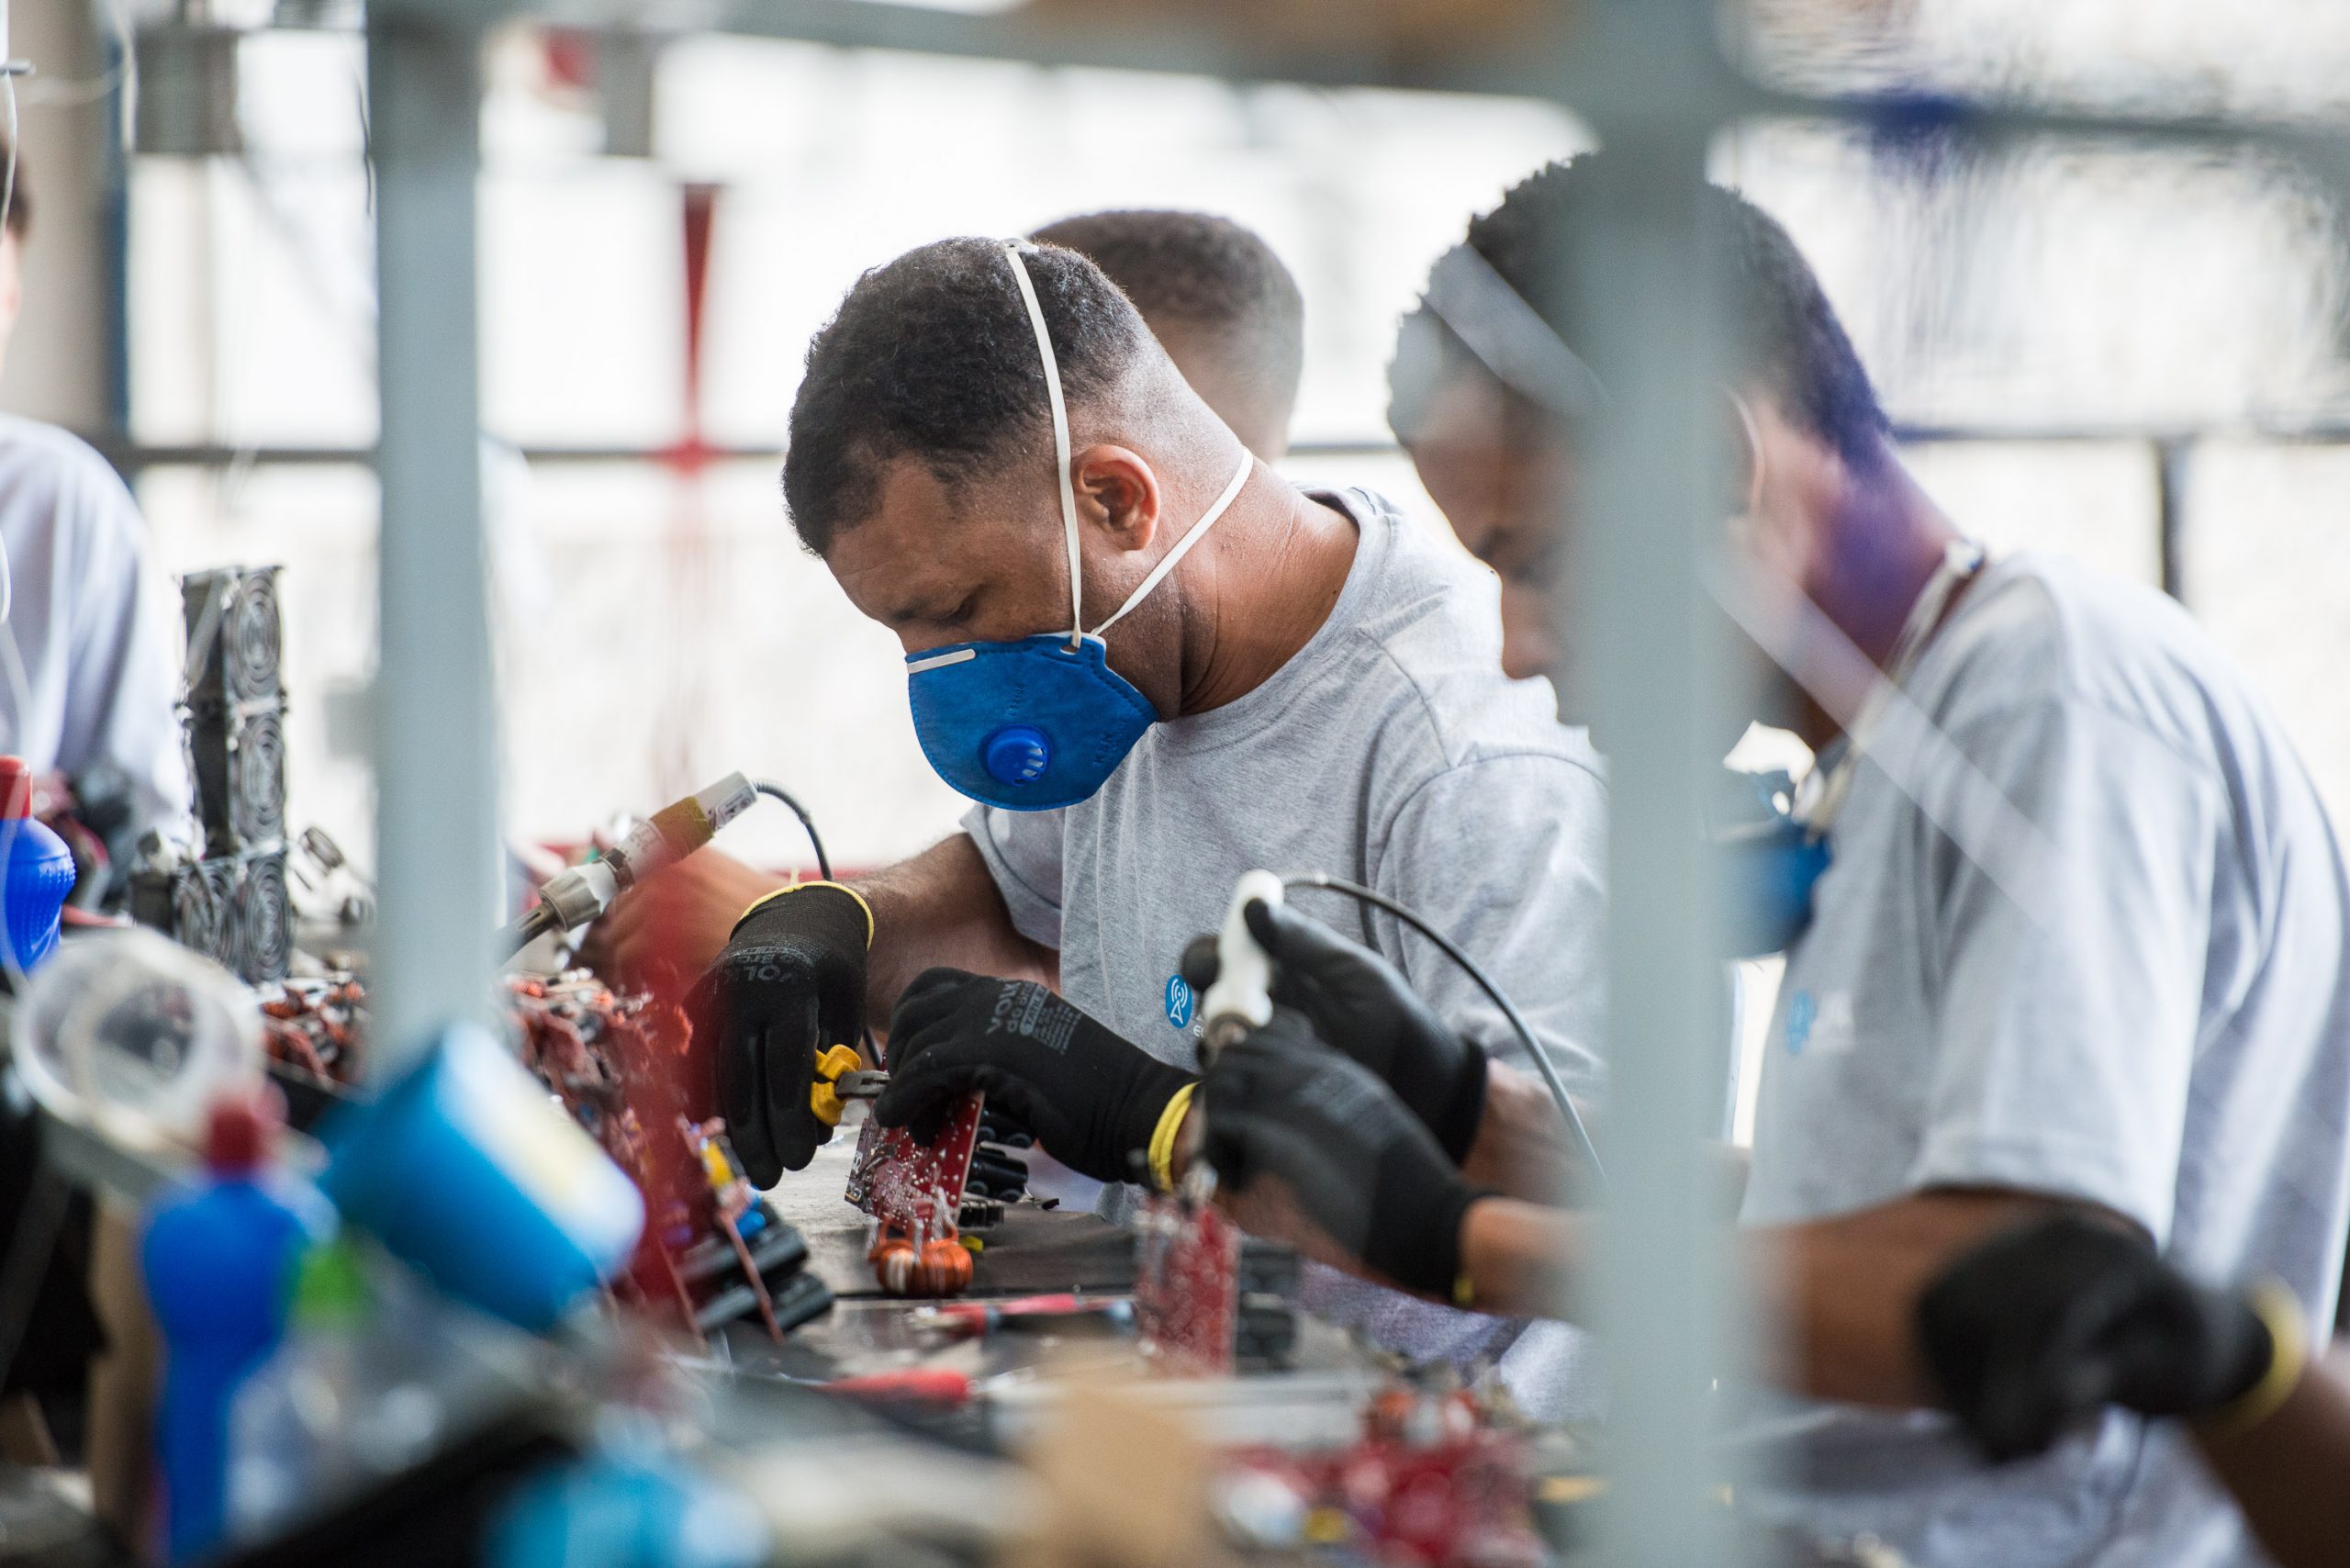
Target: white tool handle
[[1241, 999]]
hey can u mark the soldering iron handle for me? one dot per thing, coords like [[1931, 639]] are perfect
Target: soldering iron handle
[[1241, 998]]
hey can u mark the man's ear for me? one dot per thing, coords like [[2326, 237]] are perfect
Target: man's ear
[[1118, 493]]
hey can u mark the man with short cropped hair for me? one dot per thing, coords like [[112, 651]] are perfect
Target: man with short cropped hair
[[1154, 665], [1218, 299], [1228, 314]]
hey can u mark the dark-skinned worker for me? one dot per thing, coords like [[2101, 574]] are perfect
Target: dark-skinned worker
[[1228, 314], [1154, 665], [2127, 999], [2035, 1332]]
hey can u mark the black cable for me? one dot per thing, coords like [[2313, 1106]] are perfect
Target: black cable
[[1485, 983], [774, 790], [769, 788]]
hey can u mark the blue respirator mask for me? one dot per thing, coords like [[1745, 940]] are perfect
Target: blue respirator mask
[[1042, 722]]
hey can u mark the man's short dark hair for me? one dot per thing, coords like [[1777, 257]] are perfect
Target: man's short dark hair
[[933, 356], [1209, 273], [1789, 337]]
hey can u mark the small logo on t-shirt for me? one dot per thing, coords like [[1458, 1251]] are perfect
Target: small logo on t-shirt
[[1823, 1024], [1801, 1012], [1179, 1002]]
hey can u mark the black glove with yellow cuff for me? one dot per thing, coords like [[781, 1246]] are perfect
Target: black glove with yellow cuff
[[1097, 1102], [1282, 1105], [2036, 1329], [787, 987]]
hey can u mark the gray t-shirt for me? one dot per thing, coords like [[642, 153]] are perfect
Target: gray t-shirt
[[2165, 1033], [1391, 751]]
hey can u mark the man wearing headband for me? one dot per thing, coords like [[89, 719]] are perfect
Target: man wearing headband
[[1154, 665], [2075, 942]]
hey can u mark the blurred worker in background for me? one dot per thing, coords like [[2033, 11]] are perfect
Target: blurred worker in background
[[998, 461], [1218, 300], [2081, 949], [2030, 1334], [90, 662], [1228, 314]]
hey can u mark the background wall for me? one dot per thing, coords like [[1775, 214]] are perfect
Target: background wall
[[2064, 308]]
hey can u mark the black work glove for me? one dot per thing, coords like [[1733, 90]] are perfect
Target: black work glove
[[1093, 1099], [1358, 1002], [2042, 1325], [790, 983], [1281, 1103]]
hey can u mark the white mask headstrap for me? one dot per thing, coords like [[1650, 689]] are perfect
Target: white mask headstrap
[[1017, 250]]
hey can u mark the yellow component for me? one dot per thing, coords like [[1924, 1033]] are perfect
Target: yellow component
[[822, 1100], [713, 1163], [766, 899], [973, 1242], [1567, 1489], [1162, 1138], [1327, 1526]]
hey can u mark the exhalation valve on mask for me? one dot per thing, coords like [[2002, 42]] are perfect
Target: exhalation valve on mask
[[1042, 722]]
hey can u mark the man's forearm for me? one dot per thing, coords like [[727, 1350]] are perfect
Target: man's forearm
[[1842, 1293], [2287, 1471], [1521, 1147], [942, 907]]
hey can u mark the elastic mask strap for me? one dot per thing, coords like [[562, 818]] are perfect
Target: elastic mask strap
[[1015, 249], [1190, 537]]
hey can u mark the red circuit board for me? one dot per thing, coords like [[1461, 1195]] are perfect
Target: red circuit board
[[918, 1186], [1187, 1286]]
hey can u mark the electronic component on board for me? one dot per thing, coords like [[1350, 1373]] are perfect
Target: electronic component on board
[[914, 1192]]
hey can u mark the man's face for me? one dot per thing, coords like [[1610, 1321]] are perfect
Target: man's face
[[1505, 477], [1504, 486], [988, 563]]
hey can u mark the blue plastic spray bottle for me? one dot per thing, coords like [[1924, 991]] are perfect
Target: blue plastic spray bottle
[[219, 1256], [35, 872]]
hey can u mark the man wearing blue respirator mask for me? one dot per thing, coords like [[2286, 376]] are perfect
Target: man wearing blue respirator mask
[[1154, 664]]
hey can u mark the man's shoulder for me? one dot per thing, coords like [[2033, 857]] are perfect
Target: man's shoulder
[[2046, 628], [46, 465], [1431, 632], [37, 442]]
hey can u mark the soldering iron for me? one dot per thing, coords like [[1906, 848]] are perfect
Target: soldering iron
[[577, 894]]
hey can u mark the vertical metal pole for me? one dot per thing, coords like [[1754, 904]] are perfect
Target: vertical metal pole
[[434, 723], [1641, 274]]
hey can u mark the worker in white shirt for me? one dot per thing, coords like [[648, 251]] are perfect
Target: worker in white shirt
[[90, 662]]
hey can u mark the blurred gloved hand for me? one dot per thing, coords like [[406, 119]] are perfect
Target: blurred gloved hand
[[1357, 1001], [1095, 1101], [1280, 1103], [668, 929], [789, 983], [2041, 1325]]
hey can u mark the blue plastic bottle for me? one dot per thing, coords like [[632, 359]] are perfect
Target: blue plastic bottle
[[35, 872], [219, 1258]]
